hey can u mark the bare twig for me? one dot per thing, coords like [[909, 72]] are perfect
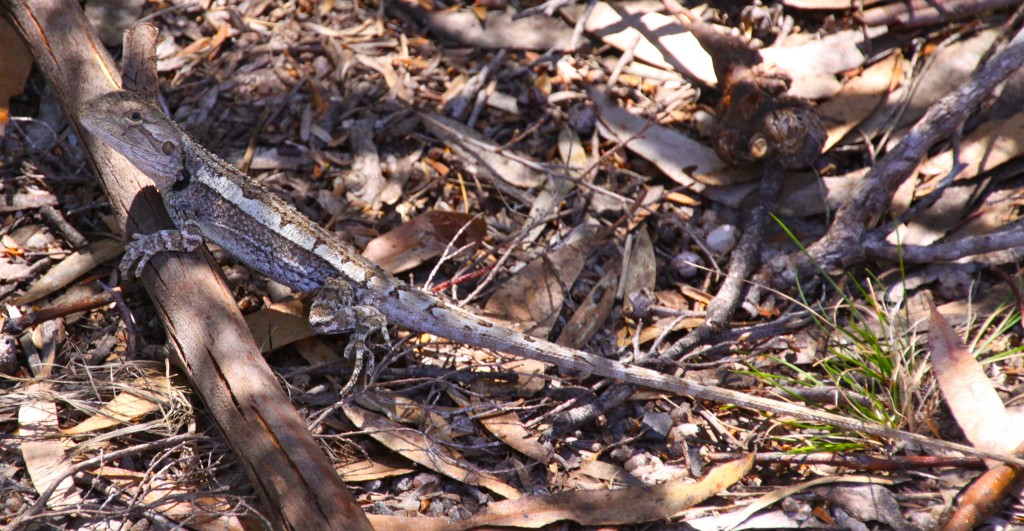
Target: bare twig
[[842, 246], [875, 247], [743, 262]]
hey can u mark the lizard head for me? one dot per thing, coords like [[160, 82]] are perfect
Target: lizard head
[[139, 131]]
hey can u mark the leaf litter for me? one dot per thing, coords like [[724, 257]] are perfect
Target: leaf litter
[[292, 81]]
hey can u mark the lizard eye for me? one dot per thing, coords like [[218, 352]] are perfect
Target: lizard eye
[[134, 117], [167, 147]]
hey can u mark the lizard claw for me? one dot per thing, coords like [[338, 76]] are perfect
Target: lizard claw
[[132, 254], [145, 246]]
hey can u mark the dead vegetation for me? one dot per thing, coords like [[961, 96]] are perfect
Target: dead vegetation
[[597, 174]]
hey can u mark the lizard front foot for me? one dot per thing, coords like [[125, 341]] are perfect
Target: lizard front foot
[[143, 247], [334, 312]]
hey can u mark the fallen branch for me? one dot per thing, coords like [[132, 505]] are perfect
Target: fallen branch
[[294, 480], [843, 245]]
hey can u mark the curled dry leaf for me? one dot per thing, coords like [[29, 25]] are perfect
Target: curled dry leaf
[[610, 507], [72, 267], [971, 398], [419, 448], [983, 497], [734, 519], [508, 428]]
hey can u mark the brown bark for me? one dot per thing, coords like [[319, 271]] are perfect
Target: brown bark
[[293, 478]]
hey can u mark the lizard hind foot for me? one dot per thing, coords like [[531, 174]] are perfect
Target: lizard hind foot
[[370, 320], [334, 311]]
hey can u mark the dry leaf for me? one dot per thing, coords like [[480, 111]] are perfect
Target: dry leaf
[[969, 393], [480, 152], [43, 452], [24, 198], [683, 159], [983, 497], [803, 193], [830, 4], [403, 410], [734, 519], [315, 351], [594, 508], [989, 146], [509, 429], [426, 236], [599, 475], [279, 325], [947, 70], [532, 299], [813, 61], [640, 268], [675, 49], [419, 448], [371, 469], [140, 397], [499, 30], [557, 185], [72, 267], [610, 507], [407, 523], [812, 64], [859, 97], [592, 312]]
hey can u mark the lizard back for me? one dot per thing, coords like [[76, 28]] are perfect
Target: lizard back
[[255, 225]]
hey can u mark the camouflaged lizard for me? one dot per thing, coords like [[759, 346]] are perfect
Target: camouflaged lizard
[[209, 199]]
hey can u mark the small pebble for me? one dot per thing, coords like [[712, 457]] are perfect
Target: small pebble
[[657, 425], [723, 238], [583, 118], [687, 264]]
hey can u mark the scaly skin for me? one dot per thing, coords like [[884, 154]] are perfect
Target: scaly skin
[[208, 198]]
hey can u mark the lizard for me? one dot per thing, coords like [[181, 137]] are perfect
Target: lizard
[[209, 199]]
